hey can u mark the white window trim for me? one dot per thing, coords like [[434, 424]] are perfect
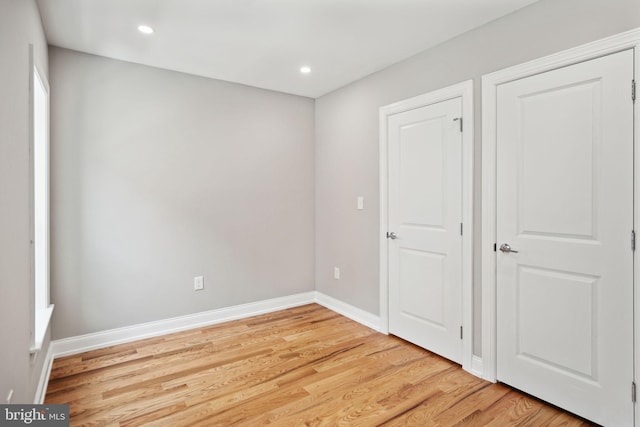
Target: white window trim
[[41, 308]]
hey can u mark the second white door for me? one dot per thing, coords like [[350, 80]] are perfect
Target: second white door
[[565, 208], [424, 215]]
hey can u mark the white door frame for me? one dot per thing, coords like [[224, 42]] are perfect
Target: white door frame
[[490, 83], [465, 91]]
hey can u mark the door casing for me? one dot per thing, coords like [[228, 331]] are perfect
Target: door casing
[[490, 83], [465, 91]]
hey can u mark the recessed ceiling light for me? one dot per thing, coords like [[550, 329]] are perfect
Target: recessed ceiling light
[[145, 29], [305, 70]]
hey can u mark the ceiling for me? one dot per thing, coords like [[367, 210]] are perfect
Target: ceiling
[[264, 43]]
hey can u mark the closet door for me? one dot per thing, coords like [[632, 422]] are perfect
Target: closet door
[[564, 223], [425, 210]]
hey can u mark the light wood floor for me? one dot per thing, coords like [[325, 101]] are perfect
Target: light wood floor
[[306, 366]]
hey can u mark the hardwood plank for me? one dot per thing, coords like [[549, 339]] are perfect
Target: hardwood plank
[[305, 366]]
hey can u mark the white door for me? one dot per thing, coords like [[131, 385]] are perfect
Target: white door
[[425, 209], [565, 207]]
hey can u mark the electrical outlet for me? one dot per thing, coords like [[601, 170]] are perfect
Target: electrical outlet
[[336, 272], [198, 283], [10, 397]]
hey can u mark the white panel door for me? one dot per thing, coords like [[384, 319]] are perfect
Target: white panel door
[[425, 209], [565, 207]]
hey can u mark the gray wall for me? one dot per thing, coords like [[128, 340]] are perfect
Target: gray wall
[[19, 26], [347, 130], [160, 176]]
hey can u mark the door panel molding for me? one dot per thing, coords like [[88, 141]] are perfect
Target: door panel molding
[[490, 84], [465, 91]]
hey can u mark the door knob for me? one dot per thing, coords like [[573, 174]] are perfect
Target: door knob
[[391, 236], [506, 248]]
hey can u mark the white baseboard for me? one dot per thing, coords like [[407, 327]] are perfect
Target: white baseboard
[[43, 382], [82, 343], [354, 313], [476, 366]]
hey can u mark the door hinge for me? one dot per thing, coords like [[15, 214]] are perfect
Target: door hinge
[[459, 119], [633, 391], [461, 229], [633, 240], [633, 90], [460, 332]]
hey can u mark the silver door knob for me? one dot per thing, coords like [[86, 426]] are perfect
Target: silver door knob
[[506, 248], [391, 236]]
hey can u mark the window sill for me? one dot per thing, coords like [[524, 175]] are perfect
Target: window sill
[[43, 318]]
